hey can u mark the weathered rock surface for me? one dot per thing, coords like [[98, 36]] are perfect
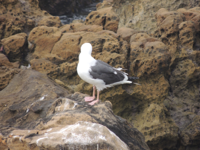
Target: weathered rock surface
[[7, 70], [37, 113], [18, 16], [152, 58], [104, 17], [15, 47], [164, 107], [139, 15]]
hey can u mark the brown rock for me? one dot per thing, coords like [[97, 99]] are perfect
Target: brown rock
[[148, 55], [42, 39], [22, 16], [88, 28], [66, 28], [125, 33], [50, 21], [15, 46], [67, 48], [44, 66], [139, 15], [7, 71], [104, 4], [104, 17], [187, 34], [47, 109]]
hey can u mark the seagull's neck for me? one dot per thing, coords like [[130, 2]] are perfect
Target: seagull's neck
[[86, 58]]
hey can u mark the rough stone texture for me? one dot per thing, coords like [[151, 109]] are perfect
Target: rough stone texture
[[42, 39], [7, 71], [34, 108], [104, 17], [139, 15], [178, 30], [18, 16], [145, 56], [126, 33], [105, 3], [57, 50], [148, 56], [50, 21], [164, 107], [15, 47]]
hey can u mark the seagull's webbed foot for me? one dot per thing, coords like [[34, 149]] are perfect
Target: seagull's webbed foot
[[94, 102], [89, 99]]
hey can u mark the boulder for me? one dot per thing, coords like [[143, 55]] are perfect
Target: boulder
[[41, 114], [42, 39], [7, 70], [125, 33], [18, 16], [139, 15], [104, 17], [50, 21], [15, 47]]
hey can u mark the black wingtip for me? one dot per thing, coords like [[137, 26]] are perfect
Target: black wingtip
[[133, 78]]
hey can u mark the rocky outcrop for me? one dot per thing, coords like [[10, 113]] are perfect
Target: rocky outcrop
[[164, 107], [7, 70], [41, 114], [104, 17], [18, 16], [158, 60], [15, 47], [140, 15]]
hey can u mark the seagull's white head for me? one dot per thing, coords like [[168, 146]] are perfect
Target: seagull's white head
[[86, 48]]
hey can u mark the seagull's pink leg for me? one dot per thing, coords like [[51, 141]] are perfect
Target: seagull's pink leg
[[1, 49], [88, 99], [96, 101]]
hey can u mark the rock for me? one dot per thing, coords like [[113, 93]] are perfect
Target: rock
[[7, 71], [183, 102], [105, 3], [125, 33], [22, 16], [67, 48], [187, 34], [148, 55], [178, 31], [42, 39], [104, 17], [63, 50], [44, 66], [15, 47], [88, 28], [41, 109], [168, 28], [50, 21], [139, 15]]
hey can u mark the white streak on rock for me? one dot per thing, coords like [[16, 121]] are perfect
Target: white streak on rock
[[84, 133]]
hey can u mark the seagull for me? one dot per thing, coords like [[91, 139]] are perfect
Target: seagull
[[98, 73]]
